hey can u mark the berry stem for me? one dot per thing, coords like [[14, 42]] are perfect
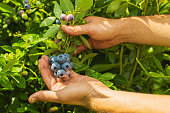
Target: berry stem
[[121, 59], [135, 66]]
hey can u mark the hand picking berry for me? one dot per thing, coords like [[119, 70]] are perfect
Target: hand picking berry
[[70, 17], [57, 21], [55, 66], [27, 6], [63, 17]]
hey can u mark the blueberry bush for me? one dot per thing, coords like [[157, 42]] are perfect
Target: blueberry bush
[[28, 30]]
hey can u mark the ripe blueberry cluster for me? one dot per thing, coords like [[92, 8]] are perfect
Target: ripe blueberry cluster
[[27, 5], [60, 64]]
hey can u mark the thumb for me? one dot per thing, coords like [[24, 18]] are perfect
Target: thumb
[[44, 96], [75, 30]]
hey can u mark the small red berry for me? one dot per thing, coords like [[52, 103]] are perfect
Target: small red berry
[[63, 17], [70, 17]]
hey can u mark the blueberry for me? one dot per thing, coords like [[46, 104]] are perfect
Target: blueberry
[[63, 17], [67, 58], [66, 66], [61, 72], [26, 1], [61, 58], [57, 21], [55, 73], [21, 12], [55, 66], [71, 64], [67, 55], [27, 6], [70, 17], [53, 59]]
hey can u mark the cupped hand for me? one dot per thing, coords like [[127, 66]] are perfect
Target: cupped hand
[[74, 89], [104, 32]]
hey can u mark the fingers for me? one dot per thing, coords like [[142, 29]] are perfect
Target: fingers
[[89, 19], [44, 96], [45, 71], [75, 30]]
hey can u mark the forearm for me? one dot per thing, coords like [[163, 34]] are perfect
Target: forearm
[[129, 102], [151, 30]]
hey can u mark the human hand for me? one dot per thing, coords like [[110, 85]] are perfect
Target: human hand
[[74, 89], [104, 32]]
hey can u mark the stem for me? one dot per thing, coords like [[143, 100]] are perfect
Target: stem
[[32, 71], [146, 4], [157, 7], [121, 59], [134, 5], [135, 66]]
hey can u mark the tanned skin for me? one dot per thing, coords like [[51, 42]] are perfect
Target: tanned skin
[[91, 93]]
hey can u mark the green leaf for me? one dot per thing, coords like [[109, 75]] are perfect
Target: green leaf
[[9, 65], [132, 56], [66, 5], [57, 10], [168, 70], [83, 5], [85, 41], [8, 48], [16, 69], [4, 81], [33, 58], [47, 21], [121, 10], [153, 74], [121, 81], [107, 76], [20, 110], [79, 16], [52, 31], [113, 6], [88, 56], [61, 35], [15, 2], [2, 61], [107, 83], [81, 68], [20, 81], [49, 51], [166, 57], [158, 63], [6, 8], [104, 67]]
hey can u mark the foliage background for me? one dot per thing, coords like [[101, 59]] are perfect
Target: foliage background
[[128, 67]]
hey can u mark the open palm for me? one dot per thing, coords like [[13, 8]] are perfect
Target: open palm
[[74, 89]]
